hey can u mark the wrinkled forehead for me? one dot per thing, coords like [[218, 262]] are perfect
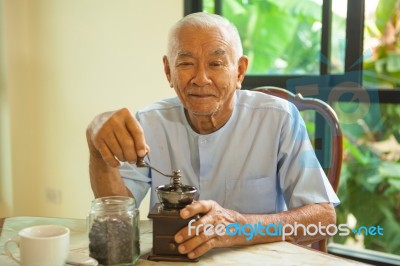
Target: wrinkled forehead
[[217, 40]]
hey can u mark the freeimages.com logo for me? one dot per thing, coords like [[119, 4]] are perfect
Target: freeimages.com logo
[[280, 229]]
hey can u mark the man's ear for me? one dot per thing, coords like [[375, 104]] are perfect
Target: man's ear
[[242, 68], [167, 70]]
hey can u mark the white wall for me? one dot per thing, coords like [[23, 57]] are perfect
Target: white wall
[[66, 62], [6, 204]]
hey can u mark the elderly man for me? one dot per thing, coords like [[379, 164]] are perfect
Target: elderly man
[[248, 153]]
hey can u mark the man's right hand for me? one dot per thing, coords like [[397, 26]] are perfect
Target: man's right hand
[[116, 135]]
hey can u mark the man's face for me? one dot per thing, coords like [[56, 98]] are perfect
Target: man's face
[[203, 71]]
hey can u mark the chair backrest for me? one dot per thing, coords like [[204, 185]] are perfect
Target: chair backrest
[[333, 171], [329, 115]]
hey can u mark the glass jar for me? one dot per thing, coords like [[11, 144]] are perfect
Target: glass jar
[[114, 231]]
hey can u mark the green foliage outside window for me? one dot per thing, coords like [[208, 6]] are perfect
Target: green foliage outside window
[[370, 180], [382, 42], [276, 35]]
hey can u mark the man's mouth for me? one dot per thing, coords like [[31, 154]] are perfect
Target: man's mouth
[[201, 95]]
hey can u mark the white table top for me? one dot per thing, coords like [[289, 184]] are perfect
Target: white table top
[[279, 253]]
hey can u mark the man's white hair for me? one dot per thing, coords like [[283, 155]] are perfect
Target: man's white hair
[[206, 20]]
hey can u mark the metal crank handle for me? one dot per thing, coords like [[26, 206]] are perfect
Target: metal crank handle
[[141, 163]]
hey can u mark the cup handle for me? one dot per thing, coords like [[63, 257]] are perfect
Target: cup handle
[[8, 252]]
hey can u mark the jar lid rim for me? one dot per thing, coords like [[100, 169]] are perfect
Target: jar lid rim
[[109, 200]]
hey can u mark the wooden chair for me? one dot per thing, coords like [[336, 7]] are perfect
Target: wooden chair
[[336, 149]]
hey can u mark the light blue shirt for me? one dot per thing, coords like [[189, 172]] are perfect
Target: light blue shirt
[[260, 161]]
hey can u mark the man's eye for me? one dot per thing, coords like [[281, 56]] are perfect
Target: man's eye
[[216, 64], [185, 64]]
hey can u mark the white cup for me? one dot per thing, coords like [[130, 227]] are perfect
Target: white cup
[[41, 245]]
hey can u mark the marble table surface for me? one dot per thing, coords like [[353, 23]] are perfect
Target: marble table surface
[[279, 253]]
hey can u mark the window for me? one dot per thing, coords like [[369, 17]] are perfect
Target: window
[[347, 53]]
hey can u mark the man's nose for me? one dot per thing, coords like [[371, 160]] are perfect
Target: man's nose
[[201, 77]]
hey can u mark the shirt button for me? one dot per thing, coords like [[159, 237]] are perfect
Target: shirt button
[[203, 141]]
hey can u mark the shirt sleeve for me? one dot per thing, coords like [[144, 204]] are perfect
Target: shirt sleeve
[[136, 180], [300, 174]]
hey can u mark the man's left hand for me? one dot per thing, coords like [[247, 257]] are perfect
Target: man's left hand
[[196, 242]]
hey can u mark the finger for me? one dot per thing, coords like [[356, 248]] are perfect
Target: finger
[[137, 134], [107, 156], [194, 228], [202, 249], [114, 147], [126, 144], [202, 206], [147, 148], [195, 242]]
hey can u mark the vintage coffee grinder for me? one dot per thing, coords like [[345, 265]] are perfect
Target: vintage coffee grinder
[[165, 215]]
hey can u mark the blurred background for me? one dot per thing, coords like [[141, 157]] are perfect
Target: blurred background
[[62, 63]]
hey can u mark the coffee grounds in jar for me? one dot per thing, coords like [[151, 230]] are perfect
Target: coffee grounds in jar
[[111, 240]]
